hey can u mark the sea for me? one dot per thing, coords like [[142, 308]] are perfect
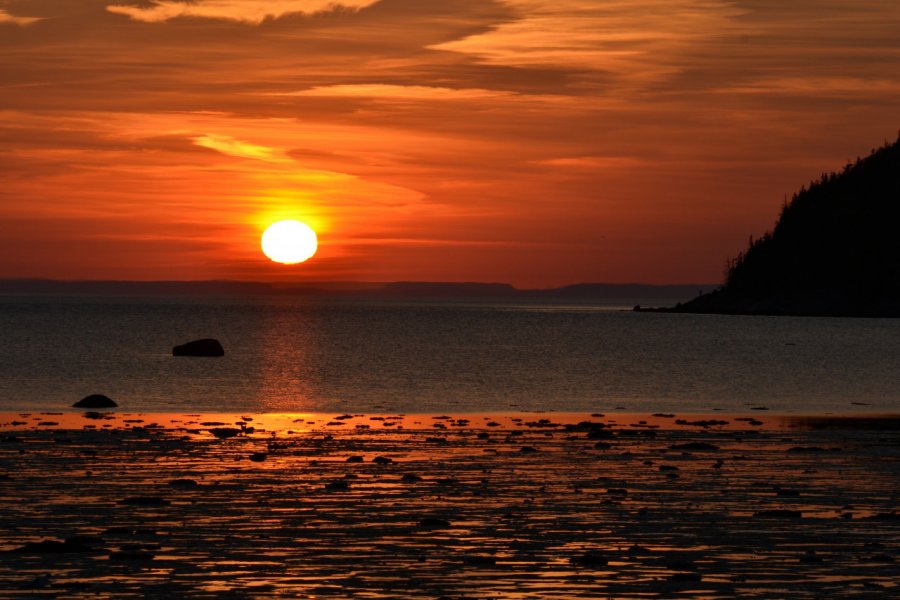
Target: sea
[[316, 355]]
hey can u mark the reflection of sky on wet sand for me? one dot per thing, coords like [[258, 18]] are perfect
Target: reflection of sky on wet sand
[[430, 505]]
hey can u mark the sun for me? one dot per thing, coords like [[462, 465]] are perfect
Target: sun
[[289, 242]]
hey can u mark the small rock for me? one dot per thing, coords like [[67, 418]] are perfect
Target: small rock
[[694, 446], [591, 558], [183, 483], [204, 347], [685, 577], [434, 522], [130, 555], [95, 401], [779, 513], [144, 501], [225, 432]]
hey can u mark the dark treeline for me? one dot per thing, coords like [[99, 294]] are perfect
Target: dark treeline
[[835, 249]]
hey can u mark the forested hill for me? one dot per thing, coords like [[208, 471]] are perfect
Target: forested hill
[[835, 250]]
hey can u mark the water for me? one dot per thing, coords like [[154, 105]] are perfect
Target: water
[[295, 355]]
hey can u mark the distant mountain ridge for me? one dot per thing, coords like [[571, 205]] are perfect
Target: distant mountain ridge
[[834, 251], [350, 289]]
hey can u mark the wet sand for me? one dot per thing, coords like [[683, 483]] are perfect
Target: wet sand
[[448, 506]]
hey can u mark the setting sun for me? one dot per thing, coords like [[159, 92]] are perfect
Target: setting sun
[[289, 242]]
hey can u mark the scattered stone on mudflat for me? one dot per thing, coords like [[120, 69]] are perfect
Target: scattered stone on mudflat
[[433, 523], [95, 401], [685, 577], [694, 446], [479, 560], [131, 555], [129, 531], [67, 546], [591, 558], [225, 432], [781, 513], [599, 434], [184, 483], [203, 347], [144, 501], [337, 486]]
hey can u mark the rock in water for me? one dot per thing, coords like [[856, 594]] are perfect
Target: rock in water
[[204, 347], [95, 401]]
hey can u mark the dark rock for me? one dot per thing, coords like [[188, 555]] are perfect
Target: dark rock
[[685, 577], [131, 555], [144, 501], [382, 460], [225, 432], [591, 558], [204, 347], [528, 449], [337, 486], [354, 459], [95, 401], [71, 545], [183, 483], [479, 561], [779, 513], [258, 457], [410, 478], [694, 446], [434, 523]]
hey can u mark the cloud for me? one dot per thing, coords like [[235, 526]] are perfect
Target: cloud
[[5, 17], [637, 38], [225, 144], [247, 11], [406, 92]]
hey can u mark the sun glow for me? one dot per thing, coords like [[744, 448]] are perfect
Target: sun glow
[[289, 242]]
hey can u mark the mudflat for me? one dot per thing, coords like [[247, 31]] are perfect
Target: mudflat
[[449, 506]]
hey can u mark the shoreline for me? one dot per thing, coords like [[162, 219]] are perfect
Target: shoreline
[[281, 422], [448, 506]]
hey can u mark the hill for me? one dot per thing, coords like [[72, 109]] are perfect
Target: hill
[[834, 251]]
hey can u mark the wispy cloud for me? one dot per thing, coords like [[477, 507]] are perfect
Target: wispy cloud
[[233, 147], [411, 92], [248, 11], [5, 17]]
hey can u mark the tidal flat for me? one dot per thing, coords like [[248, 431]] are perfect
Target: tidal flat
[[113, 505]]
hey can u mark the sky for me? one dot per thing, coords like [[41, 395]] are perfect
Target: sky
[[534, 142]]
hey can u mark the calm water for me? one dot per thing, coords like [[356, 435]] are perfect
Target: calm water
[[286, 355]]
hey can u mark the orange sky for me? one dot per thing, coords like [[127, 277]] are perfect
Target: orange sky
[[536, 142]]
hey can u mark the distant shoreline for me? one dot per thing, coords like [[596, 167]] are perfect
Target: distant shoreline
[[354, 289]]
